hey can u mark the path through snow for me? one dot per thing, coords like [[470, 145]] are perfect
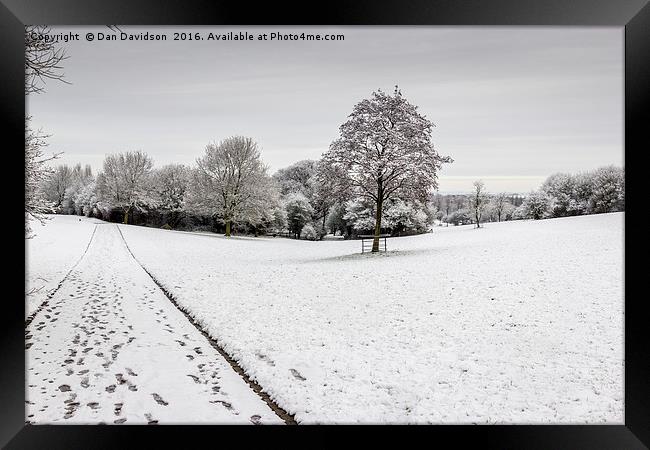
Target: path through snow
[[110, 348]]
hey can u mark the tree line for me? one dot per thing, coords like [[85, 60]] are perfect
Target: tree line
[[230, 189], [561, 195]]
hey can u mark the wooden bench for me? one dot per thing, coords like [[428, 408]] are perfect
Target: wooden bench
[[368, 239], [280, 233]]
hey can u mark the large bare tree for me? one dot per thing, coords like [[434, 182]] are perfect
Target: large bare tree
[[384, 151], [231, 181]]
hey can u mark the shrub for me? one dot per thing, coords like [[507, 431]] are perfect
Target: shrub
[[309, 232], [460, 217], [537, 205]]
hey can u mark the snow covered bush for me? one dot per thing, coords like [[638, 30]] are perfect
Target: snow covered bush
[[104, 210], [402, 216], [537, 206], [459, 217], [309, 232], [519, 213], [399, 216], [562, 193], [608, 190], [360, 215]]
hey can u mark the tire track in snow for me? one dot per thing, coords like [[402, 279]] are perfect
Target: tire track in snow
[[280, 412], [49, 296]]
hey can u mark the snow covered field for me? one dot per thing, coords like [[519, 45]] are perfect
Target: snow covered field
[[57, 246], [519, 322]]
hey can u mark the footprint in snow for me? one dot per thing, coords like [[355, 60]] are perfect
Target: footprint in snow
[[297, 375], [159, 399], [195, 378], [226, 404], [265, 358]]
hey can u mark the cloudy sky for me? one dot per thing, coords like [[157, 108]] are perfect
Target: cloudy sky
[[511, 105]]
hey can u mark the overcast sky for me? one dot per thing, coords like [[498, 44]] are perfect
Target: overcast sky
[[511, 105]]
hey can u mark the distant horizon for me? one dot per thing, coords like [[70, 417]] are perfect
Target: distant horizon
[[511, 105]]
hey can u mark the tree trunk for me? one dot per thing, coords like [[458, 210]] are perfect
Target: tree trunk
[[227, 228], [126, 215], [375, 241]]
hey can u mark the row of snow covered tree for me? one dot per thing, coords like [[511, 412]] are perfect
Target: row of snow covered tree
[[222, 193], [561, 195], [599, 191], [293, 200]]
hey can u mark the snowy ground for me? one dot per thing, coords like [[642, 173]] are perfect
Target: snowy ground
[[56, 247], [519, 322], [109, 347]]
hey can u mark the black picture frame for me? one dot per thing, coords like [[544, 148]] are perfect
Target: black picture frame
[[633, 15]]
